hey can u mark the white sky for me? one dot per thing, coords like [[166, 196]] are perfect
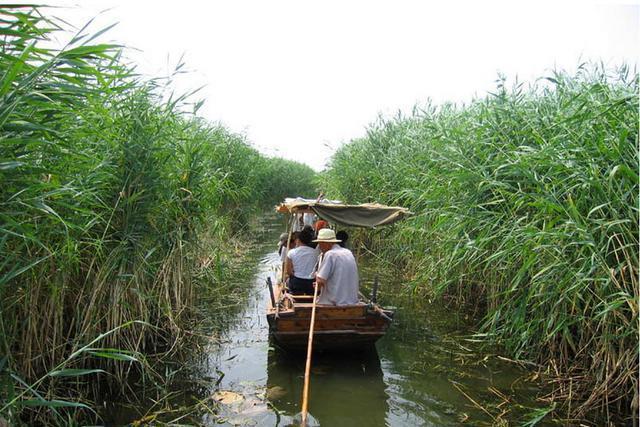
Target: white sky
[[300, 78]]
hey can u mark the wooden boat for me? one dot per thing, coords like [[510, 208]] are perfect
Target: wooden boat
[[336, 327]]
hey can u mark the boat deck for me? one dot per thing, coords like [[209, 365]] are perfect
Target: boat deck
[[336, 327]]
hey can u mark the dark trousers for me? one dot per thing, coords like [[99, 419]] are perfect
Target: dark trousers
[[298, 286]]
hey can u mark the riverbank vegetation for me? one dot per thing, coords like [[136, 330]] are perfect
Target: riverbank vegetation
[[118, 209], [525, 207]]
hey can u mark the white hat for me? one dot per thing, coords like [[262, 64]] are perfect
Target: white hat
[[327, 235]]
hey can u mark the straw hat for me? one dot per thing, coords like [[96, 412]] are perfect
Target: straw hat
[[327, 235]]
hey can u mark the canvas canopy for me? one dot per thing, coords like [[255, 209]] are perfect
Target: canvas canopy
[[367, 215]]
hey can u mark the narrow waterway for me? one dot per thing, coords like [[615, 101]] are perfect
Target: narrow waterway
[[424, 372]]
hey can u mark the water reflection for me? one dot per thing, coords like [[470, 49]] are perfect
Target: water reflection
[[347, 389], [437, 376]]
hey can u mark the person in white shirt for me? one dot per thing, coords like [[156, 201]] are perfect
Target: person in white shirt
[[309, 218], [298, 223], [301, 264], [337, 275]]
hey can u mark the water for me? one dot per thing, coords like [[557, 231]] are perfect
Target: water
[[424, 372]]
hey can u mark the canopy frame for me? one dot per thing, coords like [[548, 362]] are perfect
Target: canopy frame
[[367, 215]]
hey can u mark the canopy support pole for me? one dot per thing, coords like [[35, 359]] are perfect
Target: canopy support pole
[[286, 257]]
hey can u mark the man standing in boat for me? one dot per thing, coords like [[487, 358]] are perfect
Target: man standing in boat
[[337, 275]]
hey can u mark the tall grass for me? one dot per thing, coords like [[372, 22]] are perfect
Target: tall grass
[[107, 194], [526, 206]]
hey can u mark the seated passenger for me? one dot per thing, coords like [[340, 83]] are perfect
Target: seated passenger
[[282, 243], [343, 237], [301, 264], [337, 275], [317, 226], [299, 222], [309, 218]]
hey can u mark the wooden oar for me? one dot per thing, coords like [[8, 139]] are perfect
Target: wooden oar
[[307, 369]]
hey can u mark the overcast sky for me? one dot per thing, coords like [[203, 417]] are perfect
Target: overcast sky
[[300, 78]]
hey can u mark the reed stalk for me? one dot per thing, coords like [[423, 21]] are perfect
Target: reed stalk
[[111, 197], [526, 207]]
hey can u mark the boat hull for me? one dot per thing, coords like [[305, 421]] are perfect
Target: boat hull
[[336, 327]]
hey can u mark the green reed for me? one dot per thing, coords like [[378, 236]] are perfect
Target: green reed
[[526, 206], [115, 206]]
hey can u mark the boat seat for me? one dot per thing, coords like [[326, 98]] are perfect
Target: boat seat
[[310, 304], [302, 297]]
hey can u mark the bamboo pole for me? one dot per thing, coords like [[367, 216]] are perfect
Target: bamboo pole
[[286, 258], [307, 369]]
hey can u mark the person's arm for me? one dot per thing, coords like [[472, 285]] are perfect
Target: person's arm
[[324, 271], [289, 267]]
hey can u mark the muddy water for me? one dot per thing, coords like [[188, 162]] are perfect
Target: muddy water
[[424, 372]]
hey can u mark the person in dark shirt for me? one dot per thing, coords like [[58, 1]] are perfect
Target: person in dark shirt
[[343, 236]]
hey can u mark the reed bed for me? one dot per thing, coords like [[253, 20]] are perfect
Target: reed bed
[[117, 208], [526, 208]]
